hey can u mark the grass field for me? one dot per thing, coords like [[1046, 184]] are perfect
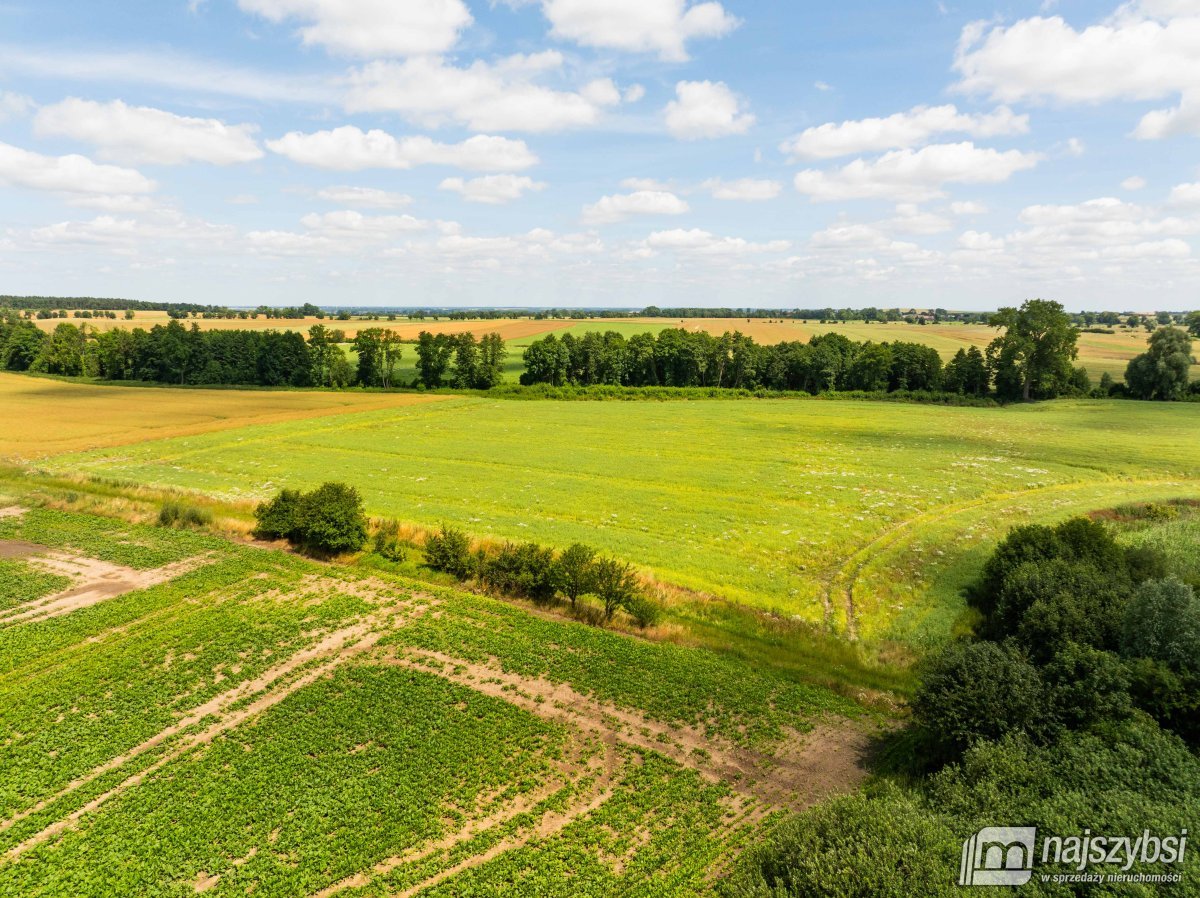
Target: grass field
[[864, 517], [1099, 353], [266, 724]]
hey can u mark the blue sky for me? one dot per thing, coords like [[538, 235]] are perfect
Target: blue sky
[[602, 152]]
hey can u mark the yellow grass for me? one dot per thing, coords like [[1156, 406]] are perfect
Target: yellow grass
[[46, 417]]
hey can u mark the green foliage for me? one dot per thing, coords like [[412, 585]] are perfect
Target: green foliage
[[1162, 622], [182, 514], [449, 550], [1032, 358], [327, 521], [20, 583], [386, 542], [980, 690], [615, 583], [520, 569], [574, 572], [1162, 371]]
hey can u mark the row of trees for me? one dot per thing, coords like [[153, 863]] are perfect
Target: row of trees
[[538, 573], [1074, 708], [175, 354]]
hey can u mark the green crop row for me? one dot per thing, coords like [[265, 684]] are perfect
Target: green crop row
[[21, 583]]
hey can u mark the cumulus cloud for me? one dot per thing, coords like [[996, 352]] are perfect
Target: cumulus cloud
[[1146, 51], [914, 175], [68, 174], [1185, 195], [501, 96], [1134, 183], [350, 149], [349, 223], [364, 197], [704, 243], [618, 207], [492, 189], [638, 26], [141, 134], [745, 189], [371, 27], [903, 130], [704, 109]]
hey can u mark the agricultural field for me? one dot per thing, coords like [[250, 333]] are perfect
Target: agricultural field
[[1099, 353], [45, 417], [243, 720], [863, 519]]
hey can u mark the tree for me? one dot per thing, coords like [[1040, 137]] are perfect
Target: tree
[[574, 572], [331, 520], [278, 518], [1162, 622], [433, 358], [449, 550], [379, 351], [1032, 359], [466, 362], [324, 352], [489, 369], [615, 583], [1162, 371], [1193, 323]]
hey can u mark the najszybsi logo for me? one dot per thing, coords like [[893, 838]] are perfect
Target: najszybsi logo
[[998, 856], [1005, 856]]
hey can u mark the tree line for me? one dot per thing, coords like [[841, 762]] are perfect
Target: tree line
[[174, 354]]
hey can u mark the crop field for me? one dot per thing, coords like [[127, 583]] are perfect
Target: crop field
[[250, 721], [866, 518], [46, 417]]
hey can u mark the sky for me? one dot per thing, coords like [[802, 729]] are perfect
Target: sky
[[588, 153]]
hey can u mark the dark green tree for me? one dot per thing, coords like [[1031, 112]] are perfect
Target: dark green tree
[[1162, 371], [1032, 358]]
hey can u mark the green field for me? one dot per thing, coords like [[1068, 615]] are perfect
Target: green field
[[265, 723], [865, 517]]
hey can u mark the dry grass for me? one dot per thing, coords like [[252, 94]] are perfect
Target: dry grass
[[47, 417]]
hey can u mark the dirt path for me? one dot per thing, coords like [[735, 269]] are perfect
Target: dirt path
[[806, 768], [338, 647], [95, 581]]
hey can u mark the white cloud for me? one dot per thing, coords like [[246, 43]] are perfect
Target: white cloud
[[1185, 195], [1137, 182], [1104, 228], [968, 207], [746, 189], [981, 242], [13, 105], [634, 93], [501, 96], [914, 175], [1146, 51], [364, 197], [823, 86], [371, 27], [902, 130], [647, 184], [620, 206], [349, 223], [68, 174], [492, 189], [640, 26], [350, 149], [140, 134], [704, 243], [704, 109]]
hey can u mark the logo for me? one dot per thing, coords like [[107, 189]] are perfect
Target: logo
[[998, 856]]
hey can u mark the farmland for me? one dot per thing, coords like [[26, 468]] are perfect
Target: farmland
[[863, 518], [263, 723]]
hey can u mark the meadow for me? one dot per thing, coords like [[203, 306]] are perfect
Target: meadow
[[263, 723], [862, 519]]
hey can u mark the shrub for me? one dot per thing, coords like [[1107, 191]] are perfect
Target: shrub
[[450, 551], [1162, 622], [278, 518], [386, 542], [979, 690], [1085, 687], [615, 584], [327, 521], [331, 520], [644, 610], [178, 514], [524, 569], [574, 572]]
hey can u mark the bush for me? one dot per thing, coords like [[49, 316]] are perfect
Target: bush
[[644, 610], [386, 542], [615, 584], [979, 690], [178, 514], [575, 573], [278, 518], [526, 569], [450, 551], [327, 521], [1162, 622]]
